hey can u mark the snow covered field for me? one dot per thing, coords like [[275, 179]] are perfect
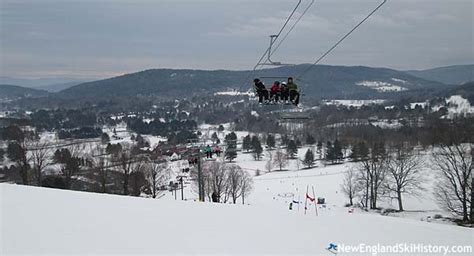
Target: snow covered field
[[47, 221], [384, 86], [354, 103]]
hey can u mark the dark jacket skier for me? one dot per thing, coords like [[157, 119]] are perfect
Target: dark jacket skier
[[261, 90], [294, 93], [215, 197]]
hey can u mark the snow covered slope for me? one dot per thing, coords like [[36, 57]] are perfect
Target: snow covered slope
[[47, 221]]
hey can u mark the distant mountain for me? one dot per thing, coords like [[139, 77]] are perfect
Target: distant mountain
[[9, 92], [48, 84], [58, 87], [454, 75], [319, 81]]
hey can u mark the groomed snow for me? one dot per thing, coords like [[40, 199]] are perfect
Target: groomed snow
[[48, 221]]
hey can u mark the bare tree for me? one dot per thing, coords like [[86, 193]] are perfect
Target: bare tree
[[157, 174], [100, 163], [215, 177], [349, 185], [41, 157], [228, 181], [280, 159], [454, 165], [372, 169], [404, 169], [247, 185], [137, 178], [124, 160], [234, 182], [269, 164]]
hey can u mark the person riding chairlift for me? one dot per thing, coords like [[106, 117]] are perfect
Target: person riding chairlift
[[284, 92], [294, 93], [275, 91], [261, 90]]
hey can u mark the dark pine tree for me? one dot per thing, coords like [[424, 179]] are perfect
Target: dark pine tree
[[309, 158], [270, 141], [246, 143], [292, 149], [310, 140]]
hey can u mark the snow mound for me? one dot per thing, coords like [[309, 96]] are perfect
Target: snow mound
[[47, 221]]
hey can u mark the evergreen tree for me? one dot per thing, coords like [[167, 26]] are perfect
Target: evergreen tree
[[257, 150], [330, 152], [270, 141], [105, 138], [310, 139], [254, 143], [298, 142], [141, 142], [292, 149], [246, 143], [231, 149], [214, 138], [360, 151], [221, 128], [284, 140], [338, 156], [319, 148], [355, 152], [319, 145], [363, 150], [309, 158]]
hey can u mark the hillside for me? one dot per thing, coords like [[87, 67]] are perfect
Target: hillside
[[47, 221], [466, 90], [14, 92], [448, 75], [47, 84], [320, 81]]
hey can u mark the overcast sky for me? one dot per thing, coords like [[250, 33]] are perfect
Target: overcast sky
[[103, 38]]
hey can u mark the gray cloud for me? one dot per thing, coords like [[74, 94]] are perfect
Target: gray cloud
[[85, 38]]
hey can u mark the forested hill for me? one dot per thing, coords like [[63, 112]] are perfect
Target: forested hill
[[8, 92], [319, 81], [455, 75]]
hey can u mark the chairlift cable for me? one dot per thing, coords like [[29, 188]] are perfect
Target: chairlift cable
[[279, 33], [292, 27], [342, 39], [268, 49], [284, 38]]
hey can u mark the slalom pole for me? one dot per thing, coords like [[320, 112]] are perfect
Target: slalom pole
[[315, 203], [306, 200], [299, 202]]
